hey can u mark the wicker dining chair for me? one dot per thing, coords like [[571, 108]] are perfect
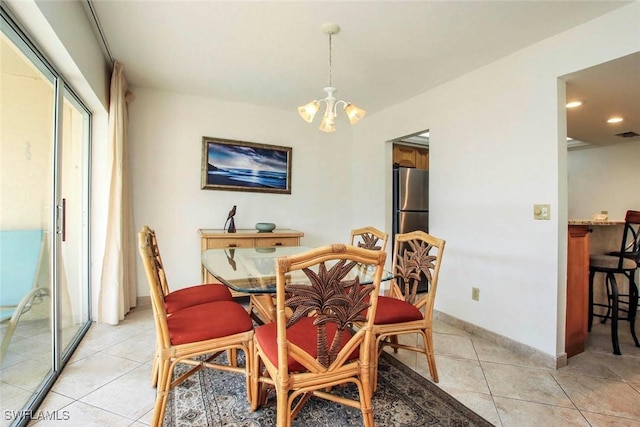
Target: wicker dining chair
[[417, 257], [311, 347], [194, 335], [180, 298], [185, 297], [369, 238]]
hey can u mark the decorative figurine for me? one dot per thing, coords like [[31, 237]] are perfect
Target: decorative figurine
[[230, 220]]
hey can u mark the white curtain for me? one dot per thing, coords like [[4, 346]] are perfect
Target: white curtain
[[118, 282]]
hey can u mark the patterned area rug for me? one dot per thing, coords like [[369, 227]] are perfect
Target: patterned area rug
[[403, 398]]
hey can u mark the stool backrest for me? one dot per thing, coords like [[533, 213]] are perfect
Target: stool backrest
[[631, 238]]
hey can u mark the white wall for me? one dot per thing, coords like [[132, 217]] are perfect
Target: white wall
[[604, 178], [165, 140], [497, 139]]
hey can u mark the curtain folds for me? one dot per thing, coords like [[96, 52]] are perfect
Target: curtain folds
[[117, 293]]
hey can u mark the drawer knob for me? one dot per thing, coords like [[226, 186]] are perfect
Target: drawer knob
[[232, 245], [277, 244]]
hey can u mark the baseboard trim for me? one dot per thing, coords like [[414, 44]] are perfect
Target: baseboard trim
[[535, 355]]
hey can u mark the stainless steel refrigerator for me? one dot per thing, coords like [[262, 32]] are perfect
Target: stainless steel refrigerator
[[410, 202]]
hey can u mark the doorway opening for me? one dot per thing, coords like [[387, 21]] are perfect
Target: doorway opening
[[410, 186]]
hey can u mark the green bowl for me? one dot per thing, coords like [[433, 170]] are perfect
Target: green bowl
[[265, 227]]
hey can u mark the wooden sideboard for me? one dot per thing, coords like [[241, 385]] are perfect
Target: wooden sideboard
[[221, 239]]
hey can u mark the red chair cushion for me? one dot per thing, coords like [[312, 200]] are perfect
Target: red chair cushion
[[207, 321], [303, 334], [392, 310], [194, 295]]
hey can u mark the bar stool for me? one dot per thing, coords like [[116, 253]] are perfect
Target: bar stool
[[624, 262]]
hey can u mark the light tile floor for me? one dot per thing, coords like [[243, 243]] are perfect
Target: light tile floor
[[107, 381]]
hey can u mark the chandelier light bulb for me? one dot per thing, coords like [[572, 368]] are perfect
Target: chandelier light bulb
[[354, 113], [308, 111], [328, 123]]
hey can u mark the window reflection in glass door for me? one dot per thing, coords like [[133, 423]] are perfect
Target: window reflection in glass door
[[26, 183]]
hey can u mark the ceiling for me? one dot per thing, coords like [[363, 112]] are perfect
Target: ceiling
[[606, 90], [274, 53]]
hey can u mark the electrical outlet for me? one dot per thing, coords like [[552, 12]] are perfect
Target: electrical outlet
[[541, 211], [475, 294]]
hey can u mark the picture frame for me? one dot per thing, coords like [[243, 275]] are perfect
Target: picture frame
[[245, 166]]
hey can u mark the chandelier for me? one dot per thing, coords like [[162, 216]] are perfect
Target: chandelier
[[308, 111]]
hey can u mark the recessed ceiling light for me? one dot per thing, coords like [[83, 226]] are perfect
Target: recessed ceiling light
[[574, 104], [615, 120]]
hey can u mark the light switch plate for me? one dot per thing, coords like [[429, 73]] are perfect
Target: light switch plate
[[542, 212]]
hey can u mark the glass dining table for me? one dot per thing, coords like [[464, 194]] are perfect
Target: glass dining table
[[251, 271]]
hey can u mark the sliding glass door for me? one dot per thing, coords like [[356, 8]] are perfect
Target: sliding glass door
[[26, 195], [73, 205], [44, 193]]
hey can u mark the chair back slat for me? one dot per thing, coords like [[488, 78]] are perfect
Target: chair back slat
[[369, 238], [152, 263], [159, 270], [323, 284], [417, 258]]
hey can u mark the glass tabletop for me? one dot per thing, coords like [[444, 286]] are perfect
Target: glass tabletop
[[252, 270]]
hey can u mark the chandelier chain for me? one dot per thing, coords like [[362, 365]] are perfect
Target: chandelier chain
[[330, 60]]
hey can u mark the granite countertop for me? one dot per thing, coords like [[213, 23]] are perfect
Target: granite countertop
[[594, 222]]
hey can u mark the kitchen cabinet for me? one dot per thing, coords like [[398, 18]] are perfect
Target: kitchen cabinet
[[221, 239], [410, 156], [587, 237], [576, 326]]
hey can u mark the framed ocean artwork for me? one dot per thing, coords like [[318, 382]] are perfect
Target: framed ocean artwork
[[245, 166]]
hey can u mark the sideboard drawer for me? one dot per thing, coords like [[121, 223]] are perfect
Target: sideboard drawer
[[277, 241], [229, 243]]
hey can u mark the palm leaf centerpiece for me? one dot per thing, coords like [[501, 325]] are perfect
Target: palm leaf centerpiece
[[332, 300]]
